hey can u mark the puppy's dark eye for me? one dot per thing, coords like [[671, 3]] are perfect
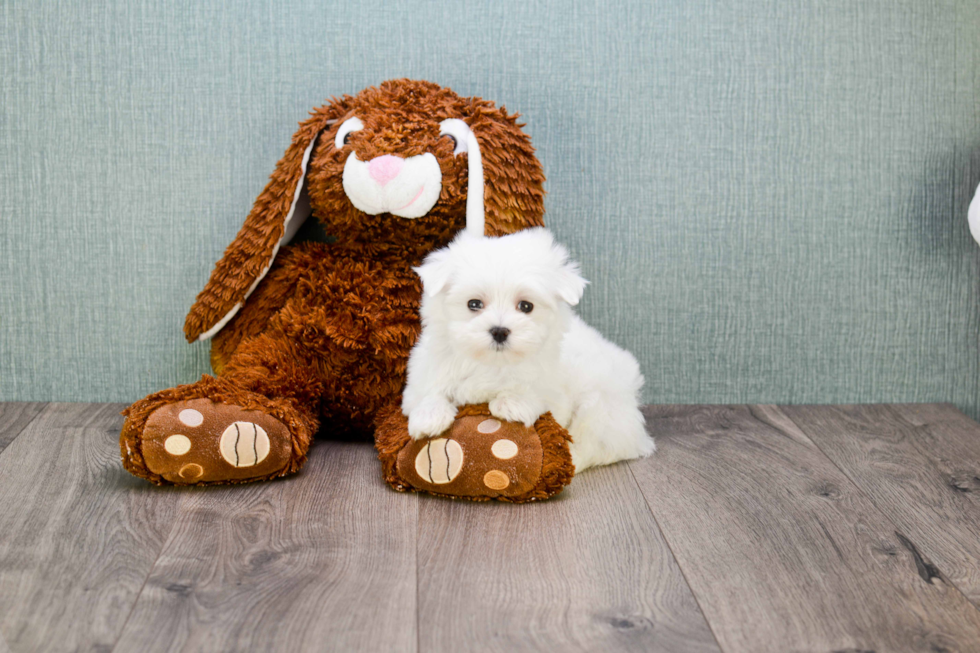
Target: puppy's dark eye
[[452, 138], [525, 307], [347, 138], [474, 304]]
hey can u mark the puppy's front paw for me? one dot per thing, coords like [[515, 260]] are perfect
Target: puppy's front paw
[[430, 419], [517, 409]]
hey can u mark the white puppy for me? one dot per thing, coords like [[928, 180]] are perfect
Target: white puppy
[[497, 327]]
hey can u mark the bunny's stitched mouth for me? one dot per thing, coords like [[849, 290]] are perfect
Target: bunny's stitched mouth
[[417, 195]]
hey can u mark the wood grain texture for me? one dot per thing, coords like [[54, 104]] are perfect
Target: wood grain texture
[[78, 535], [585, 571], [321, 561], [920, 464], [951, 442], [853, 532], [781, 550], [14, 417]]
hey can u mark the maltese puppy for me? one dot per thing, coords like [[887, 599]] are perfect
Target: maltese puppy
[[498, 328]]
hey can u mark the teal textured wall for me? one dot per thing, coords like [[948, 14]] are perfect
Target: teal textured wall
[[769, 197]]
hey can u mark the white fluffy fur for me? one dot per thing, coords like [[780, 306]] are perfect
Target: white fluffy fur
[[551, 359]]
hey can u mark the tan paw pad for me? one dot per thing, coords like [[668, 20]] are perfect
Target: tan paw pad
[[488, 426], [177, 445], [191, 472], [504, 449], [439, 461], [244, 444], [496, 480], [190, 417]]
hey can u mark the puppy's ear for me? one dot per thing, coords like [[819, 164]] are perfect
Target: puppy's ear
[[436, 271], [571, 285], [567, 280], [274, 218], [512, 175]]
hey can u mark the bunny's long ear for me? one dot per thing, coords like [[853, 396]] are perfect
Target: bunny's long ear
[[466, 142], [512, 176], [276, 216]]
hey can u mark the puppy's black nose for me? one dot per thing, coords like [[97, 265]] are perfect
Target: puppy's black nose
[[499, 334]]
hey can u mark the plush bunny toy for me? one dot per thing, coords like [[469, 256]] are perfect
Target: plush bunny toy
[[317, 335]]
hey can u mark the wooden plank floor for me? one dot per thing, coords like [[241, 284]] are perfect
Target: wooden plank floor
[[753, 528]]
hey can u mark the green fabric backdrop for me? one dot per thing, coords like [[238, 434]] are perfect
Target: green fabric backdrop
[[769, 197]]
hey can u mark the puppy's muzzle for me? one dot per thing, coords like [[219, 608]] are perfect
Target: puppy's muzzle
[[499, 334]]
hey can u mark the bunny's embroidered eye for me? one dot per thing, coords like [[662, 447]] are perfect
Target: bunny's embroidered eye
[[346, 129], [474, 305], [453, 139], [525, 307]]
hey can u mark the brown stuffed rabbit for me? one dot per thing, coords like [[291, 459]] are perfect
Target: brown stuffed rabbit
[[319, 334]]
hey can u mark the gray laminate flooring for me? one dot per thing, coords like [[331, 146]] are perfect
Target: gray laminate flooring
[[753, 528]]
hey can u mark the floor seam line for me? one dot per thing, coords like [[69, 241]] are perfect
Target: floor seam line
[[43, 410], [146, 580], [418, 611], [914, 443], [711, 629]]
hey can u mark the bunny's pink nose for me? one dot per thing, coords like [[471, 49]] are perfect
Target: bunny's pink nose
[[385, 168]]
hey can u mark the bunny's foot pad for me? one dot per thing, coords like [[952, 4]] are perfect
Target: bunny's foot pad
[[198, 441], [201, 441], [479, 457]]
